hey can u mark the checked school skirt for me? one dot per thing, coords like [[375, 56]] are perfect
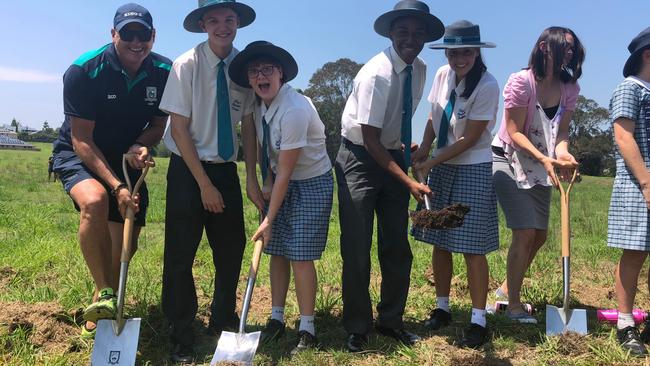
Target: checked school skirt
[[470, 185], [300, 228]]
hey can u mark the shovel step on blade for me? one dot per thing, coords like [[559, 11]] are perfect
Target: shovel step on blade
[[110, 349], [236, 347], [559, 322]]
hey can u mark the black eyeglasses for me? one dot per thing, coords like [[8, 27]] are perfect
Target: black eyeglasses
[[265, 70], [128, 35]]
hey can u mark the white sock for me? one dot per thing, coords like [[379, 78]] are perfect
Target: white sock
[[625, 320], [277, 313], [478, 317], [443, 303], [307, 323]]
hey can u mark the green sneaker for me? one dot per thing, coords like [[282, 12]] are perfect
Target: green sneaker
[[86, 333], [104, 308]]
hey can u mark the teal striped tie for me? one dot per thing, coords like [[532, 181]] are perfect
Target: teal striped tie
[[444, 121], [226, 146], [407, 114]]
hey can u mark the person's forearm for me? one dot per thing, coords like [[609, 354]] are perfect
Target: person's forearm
[[95, 160], [383, 158], [428, 137], [249, 139], [631, 154], [524, 143], [152, 135], [452, 151], [185, 145]]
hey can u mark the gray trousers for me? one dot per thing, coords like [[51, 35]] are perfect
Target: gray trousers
[[364, 188]]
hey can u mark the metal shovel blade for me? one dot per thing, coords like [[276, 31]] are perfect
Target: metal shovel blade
[[111, 349], [236, 347], [559, 321]]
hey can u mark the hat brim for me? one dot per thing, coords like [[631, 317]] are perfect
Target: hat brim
[[237, 69], [435, 26], [246, 15], [121, 24], [439, 46]]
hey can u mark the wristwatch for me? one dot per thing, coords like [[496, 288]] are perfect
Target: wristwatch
[[117, 189]]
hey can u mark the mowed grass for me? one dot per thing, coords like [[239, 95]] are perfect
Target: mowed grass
[[41, 262]]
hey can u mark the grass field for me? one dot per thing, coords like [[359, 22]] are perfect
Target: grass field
[[44, 283]]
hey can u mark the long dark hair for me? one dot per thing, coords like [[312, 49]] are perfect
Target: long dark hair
[[555, 38], [474, 75]]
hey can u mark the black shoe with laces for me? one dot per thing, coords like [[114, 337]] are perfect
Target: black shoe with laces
[[438, 319], [630, 340], [182, 353], [474, 336], [401, 335], [273, 330], [306, 341]]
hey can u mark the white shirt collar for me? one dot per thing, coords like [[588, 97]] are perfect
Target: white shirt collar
[[269, 112], [398, 64], [451, 83], [213, 60]]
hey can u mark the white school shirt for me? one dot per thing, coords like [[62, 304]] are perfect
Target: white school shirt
[[482, 105], [191, 92], [377, 98], [294, 123]]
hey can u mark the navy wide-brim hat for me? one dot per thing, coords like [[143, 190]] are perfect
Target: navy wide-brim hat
[[410, 8], [636, 47], [246, 13], [238, 67], [462, 34]]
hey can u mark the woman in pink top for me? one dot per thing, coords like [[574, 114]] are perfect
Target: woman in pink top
[[532, 142]]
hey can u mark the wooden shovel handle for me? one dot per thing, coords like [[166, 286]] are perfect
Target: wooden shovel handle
[[129, 217], [255, 261], [565, 215]]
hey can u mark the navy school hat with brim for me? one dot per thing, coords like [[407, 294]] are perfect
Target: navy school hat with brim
[[238, 67], [636, 47], [246, 13], [462, 34], [410, 8], [132, 13]]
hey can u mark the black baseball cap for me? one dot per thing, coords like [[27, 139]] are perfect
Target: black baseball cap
[[132, 13]]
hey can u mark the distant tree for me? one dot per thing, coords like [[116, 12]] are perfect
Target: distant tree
[[46, 127], [591, 138], [329, 89], [15, 124]]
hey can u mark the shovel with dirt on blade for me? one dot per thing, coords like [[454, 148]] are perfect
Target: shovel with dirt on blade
[[564, 319], [116, 341], [449, 217]]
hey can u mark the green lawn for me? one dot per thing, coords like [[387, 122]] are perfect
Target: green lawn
[[44, 283]]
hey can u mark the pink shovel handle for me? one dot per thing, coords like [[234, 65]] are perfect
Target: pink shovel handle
[[611, 315]]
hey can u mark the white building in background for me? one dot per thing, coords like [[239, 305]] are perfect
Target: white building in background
[[9, 140]]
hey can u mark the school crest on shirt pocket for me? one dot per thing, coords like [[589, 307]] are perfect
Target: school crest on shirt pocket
[[461, 114], [151, 95]]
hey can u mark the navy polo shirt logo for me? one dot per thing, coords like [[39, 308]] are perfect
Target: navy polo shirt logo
[[151, 94], [111, 96]]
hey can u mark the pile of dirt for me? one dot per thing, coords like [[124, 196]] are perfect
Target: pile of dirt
[[573, 344], [448, 218], [7, 274], [48, 325]]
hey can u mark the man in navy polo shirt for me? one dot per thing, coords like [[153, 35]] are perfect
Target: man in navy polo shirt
[[111, 98]]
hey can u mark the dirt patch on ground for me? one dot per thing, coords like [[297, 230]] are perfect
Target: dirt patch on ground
[[572, 344], [7, 274], [48, 325]]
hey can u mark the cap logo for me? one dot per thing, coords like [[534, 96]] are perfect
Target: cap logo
[[132, 14]]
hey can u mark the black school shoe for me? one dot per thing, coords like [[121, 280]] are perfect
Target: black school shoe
[[215, 330], [630, 340], [401, 335], [182, 353], [306, 341], [474, 336], [356, 342], [273, 330], [438, 319]]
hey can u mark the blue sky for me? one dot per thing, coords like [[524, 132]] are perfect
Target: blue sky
[[42, 38]]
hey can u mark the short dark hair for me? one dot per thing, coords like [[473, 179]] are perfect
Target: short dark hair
[[555, 38]]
